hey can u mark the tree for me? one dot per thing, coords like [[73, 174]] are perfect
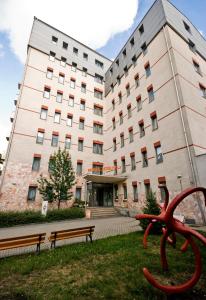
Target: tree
[[1, 162], [151, 208], [61, 178]]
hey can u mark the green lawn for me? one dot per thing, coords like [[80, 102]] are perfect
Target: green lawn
[[107, 269]]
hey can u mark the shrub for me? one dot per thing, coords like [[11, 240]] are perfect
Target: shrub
[[151, 208], [12, 218]]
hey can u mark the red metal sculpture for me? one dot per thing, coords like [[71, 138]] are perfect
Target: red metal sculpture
[[173, 226]]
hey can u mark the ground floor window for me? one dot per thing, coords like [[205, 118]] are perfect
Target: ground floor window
[[32, 193], [78, 194], [125, 191], [135, 193]]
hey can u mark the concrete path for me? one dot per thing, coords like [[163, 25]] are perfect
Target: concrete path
[[103, 228]]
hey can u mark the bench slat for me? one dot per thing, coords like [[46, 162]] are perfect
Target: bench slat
[[67, 237], [70, 234], [73, 229], [22, 237], [19, 246]]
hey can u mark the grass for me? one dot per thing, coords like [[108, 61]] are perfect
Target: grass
[[110, 268]]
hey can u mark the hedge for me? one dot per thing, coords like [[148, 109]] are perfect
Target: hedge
[[12, 218]]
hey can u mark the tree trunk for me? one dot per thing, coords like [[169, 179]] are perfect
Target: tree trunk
[[59, 204]]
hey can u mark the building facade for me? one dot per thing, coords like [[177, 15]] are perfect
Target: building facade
[[129, 125]]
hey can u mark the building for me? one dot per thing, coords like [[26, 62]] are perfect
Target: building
[[129, 125]]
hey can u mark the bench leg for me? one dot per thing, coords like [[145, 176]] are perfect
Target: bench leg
[[38, 248], [53, 244], [90, 236]]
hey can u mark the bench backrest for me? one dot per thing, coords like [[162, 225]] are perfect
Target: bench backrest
[[21, 241], [61, 234]]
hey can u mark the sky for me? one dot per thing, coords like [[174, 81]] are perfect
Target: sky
[[104, 27]]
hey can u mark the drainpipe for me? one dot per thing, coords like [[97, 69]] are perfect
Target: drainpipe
[[184, 127]]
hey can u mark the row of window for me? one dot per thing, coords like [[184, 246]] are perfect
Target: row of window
[[50, 73], [47, 91], [75, 50]]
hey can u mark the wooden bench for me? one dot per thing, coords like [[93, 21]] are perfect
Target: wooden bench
[[71, 233], [23, 241]]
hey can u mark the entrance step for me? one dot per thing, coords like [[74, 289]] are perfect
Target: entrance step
[[101, 212]]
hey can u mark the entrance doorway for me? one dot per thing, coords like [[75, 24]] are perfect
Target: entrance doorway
[[100, 194]]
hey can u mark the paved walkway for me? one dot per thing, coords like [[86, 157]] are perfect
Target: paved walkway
[[103, 228]]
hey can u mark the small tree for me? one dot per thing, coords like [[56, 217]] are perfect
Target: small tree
[[151, 208], [61, 178]]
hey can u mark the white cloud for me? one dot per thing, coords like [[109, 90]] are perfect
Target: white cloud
[[2, 53], [92, 22]]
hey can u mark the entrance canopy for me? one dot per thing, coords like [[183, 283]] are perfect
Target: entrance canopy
[[104, 178]]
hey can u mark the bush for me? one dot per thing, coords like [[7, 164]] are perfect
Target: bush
[[12, 218], [151, 208]]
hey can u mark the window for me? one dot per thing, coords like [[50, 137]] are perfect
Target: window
[[57, 117], [113, 123], [78, 194], [141, 128], [125, 191], [75, 51], [54, 39], [80, 144], [162, 183], [61, 78], [44, 112], [132, 42], [72, 83], [97, 169], [117, 62], [135, 191], [115, 167], [81, 123], [68, 142], [63, 61], [141, 29], [154, 121], [52, 56], [120, 118], [122, 140], [123, 164], [150, 93], [113, 104], [111, 72], [147, 70], [133, 163], [98, 93], [187, 27], [192, 46], [197, 67], [83, 88], [139, 103], [59, 96], [202, 90], [99, 64], [129, 111], [158, 152], [98, 110], [71, 100], [84, 72], [131, 135], [144, 158], [118, 80], [40, 136], [128, 89], [115, 191], [47, 90], [97, 148], [36, 163], [55, 139], [144, 49], [120, 98], [79, 168], [136, 79], [65, 45], [49, 73], [114, 144], [82, 105], [124, 53], [85, 56], [147, 187], [134, 60], [98, 128], [112, 88], [98, 78], [69, 120], [74, 67], [32, 193], [125, 71]]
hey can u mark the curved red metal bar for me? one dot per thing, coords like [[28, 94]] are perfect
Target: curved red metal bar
[[174, 226]]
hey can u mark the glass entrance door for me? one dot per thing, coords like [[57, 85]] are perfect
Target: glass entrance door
[[100, 195]]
